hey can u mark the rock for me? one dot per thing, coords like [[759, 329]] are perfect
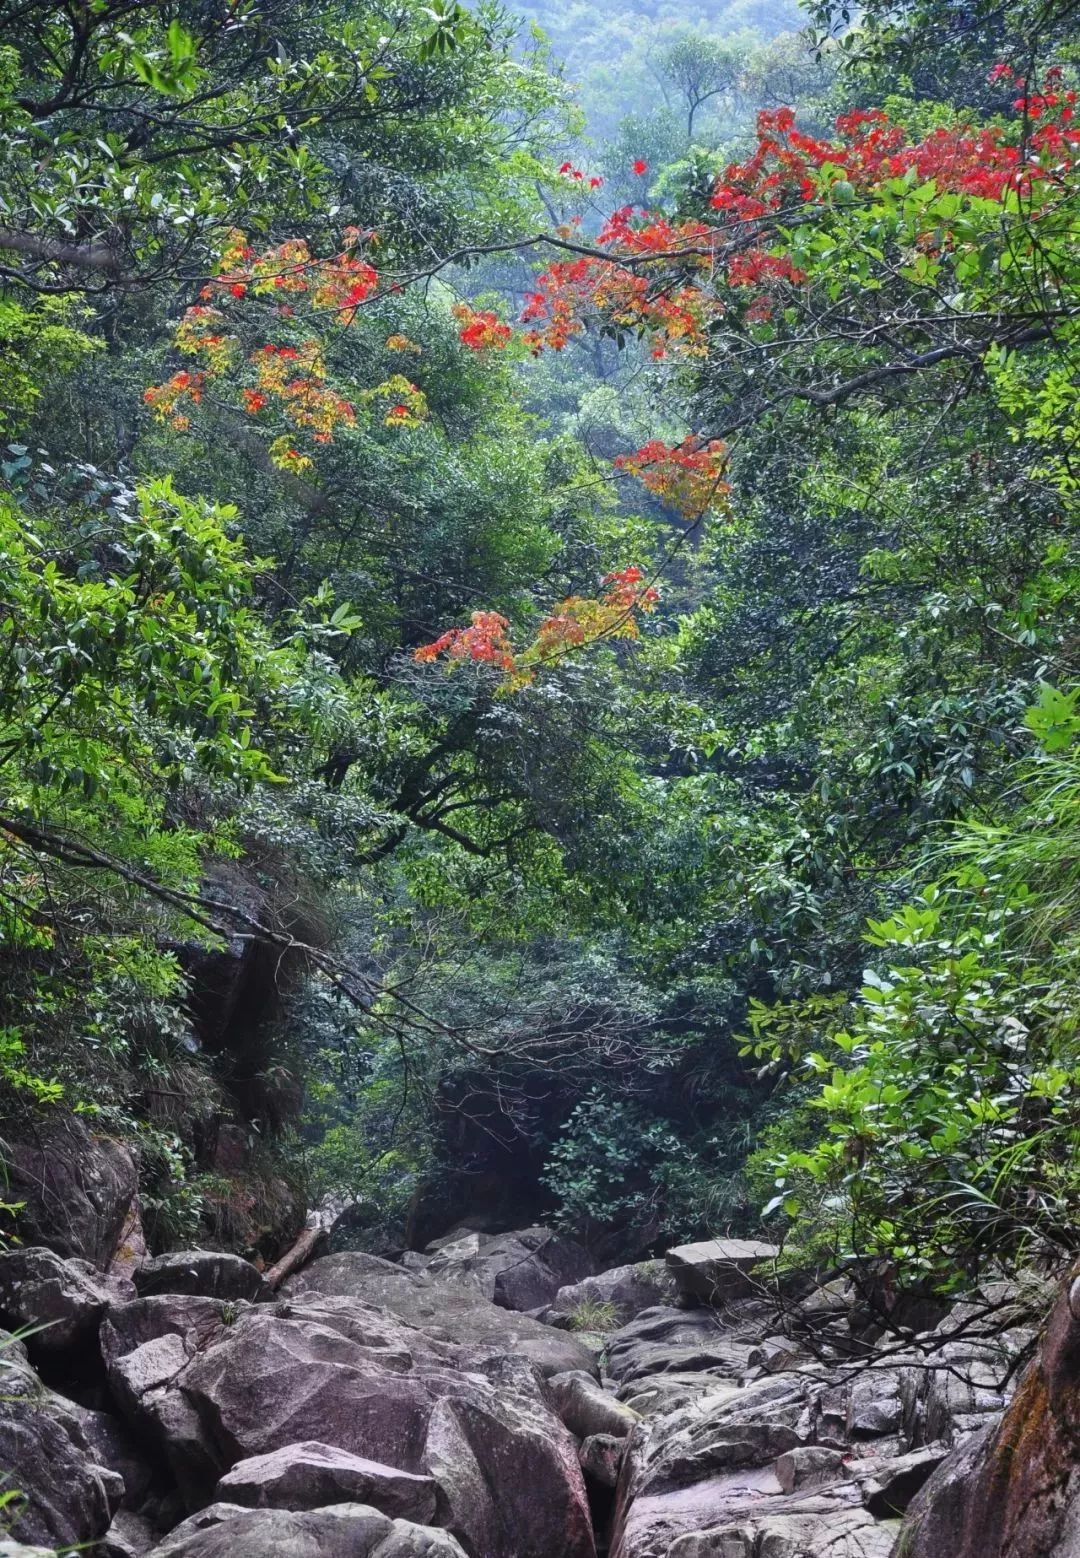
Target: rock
[[76, 1188], [683, 1341], [1014, 1488], [129, 1536], [57, 1298], [749, 1427], [310, 1475], [131, 1249], [653, 1395], [966, 1384], [339, 1531], [107, 1441], [889, 1483], [624, 1290], [810, 1466], [66, 1499], [521, 1270], [353, 1378], [507, 1494], [601, 1458], [587, 1409], [445, 1310], [875, 1405], [207, 1273], [718, 1269], [17, 1550], [775, 1354], [845, 1533]]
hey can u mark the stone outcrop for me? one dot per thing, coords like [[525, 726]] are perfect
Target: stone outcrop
[[587, 1409], [684, 1341], [522, 1270], [339, 1531], [218, 1384], [1014, 1489], [208, 1273], [812, 1461], [59, 1303], [311, 1475], [718, 1269], [77, 1189], [452, 1312], [624, 1291], [66, 1497], [397, 1411]]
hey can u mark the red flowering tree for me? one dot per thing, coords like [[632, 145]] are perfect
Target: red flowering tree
[[822, 268]]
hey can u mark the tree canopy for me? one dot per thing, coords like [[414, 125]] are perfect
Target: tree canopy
[[582, 626]]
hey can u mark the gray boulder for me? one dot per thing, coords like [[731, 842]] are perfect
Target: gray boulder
[[623, 1290], [208, 1273], [76, 1188], [810, 1466], [354, 1378], [684, 1341], [58, 1300], [587, 1409], [718, 1269], [889, 1483], [601, 1457], [65, 1498], [311, 1475], [448, 1311], [339, 1531], [129, 1536], [798, 1533], [521, 1270]]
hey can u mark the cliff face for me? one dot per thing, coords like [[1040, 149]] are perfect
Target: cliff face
[[1014, 1492]]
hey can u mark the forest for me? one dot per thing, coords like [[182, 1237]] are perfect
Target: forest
[[539, 628]]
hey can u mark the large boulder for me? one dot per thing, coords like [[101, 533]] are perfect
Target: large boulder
[[218, 1389], [311, 1475], [520, 1270], [76, 1188], [339, 1531], [587, 1409], [611, 1298], [718, 1269], [449, 1311], [1014, 1488], [209, 1273], [814, 1527], [58, 1302], [685, 1341], [64, 1497]]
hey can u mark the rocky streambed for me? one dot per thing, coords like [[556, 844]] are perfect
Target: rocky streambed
[[445, 1406]]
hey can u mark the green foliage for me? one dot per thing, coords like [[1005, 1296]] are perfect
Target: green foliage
[[594, 1316], [949, 1088]]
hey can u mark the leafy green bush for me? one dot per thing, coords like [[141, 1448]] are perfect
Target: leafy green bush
[[948, 1092]]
